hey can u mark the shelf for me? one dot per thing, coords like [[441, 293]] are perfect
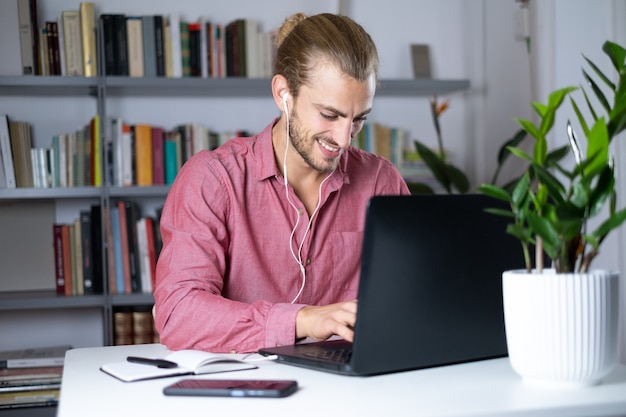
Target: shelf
[[259, 87], [138, 299], [48, 86], [151, 191], [46, 299], [201, 87], [9, 194], [419, 87]]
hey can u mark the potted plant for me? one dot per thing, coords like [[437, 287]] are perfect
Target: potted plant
[[561, 323]]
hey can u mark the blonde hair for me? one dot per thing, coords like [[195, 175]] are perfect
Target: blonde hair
[[305, 41]]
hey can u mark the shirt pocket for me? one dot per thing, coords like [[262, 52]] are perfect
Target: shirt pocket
[[346, 256]]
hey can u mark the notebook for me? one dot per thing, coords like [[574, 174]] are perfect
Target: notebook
[[430, 291]]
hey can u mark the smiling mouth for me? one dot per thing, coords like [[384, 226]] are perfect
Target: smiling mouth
[[327, 146]]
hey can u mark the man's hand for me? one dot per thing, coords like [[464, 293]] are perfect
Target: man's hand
[[321, 322]]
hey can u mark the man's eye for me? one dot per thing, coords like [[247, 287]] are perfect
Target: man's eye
[[328, 116]]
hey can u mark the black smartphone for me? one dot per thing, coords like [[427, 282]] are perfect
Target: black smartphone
[[232, 388]]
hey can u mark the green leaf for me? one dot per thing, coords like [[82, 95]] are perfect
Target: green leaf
[[597, 147], [500, 212], [419, 188], [517, 138], [594, 115], [616, 53], [580, 117], [544, 229], [435, 164], [529, 127], [494, 192], [457, 178], [520, 192], [610, 224], [552, 183], [520, 153], [598, 92], [600, 74], [603, 190]]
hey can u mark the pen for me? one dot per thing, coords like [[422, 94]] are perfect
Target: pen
[[159, 363]]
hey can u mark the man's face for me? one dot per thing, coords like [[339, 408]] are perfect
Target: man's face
[[327, 114]]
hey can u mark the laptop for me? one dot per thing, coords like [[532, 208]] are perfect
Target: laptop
[[430, 291]]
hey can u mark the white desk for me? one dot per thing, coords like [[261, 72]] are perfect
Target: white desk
[[486, 388]]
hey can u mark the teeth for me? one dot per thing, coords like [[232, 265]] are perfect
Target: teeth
[[328, 148]]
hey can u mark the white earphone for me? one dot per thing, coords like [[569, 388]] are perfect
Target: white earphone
[[297, 256]]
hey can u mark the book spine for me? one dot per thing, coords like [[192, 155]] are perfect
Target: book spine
[[96, 152], [67, 258], [97, 224], [158, 158], [132, 215], [88, 39], [195, 54], [72, 45], [121, 41], [87, 251], [77, 258], [7, 155], [169, 151], [185, 52], [120, 267], [149, 46], [110, 43], [26, 37], [143, 154], [159, 46], [57, 236], [134, 36]]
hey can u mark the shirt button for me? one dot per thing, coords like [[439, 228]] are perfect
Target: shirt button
[[308, 262], [233, 351], [300, 211]]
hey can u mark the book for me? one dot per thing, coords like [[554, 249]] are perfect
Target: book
[[190, 362], [96, 220], [132, 215], [59, 268], [158, 156], [39, 374], [159, 46], [143, 154], [122, 327], [123, 243], [134, 38], [72, 42], [420, 58], [118, 285], [88, 39], [6, 153], [10, 35], [149, 46], [27, 39], [34, 357], [29, 398], [67, 258], [19, 132]]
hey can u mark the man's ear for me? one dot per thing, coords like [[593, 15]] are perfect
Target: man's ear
[[280, 89]]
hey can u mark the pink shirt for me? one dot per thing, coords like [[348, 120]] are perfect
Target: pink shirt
[[226, 276]]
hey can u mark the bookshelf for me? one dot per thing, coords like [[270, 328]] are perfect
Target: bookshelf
[[100, 90]]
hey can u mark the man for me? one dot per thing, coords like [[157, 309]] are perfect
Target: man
[[262, 237]]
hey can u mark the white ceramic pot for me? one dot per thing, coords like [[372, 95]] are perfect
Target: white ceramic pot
[[561, 328]]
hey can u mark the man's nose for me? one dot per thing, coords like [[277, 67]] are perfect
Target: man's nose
[[343, 134]]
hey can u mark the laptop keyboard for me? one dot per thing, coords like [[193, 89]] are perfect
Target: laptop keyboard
[[333, 355]]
